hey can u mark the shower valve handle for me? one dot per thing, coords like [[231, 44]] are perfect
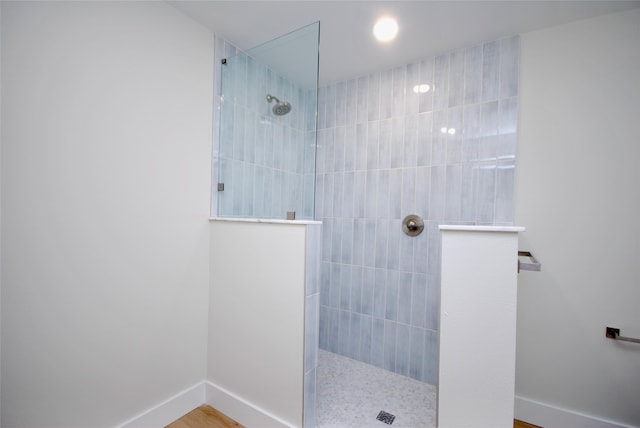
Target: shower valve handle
[[412, 225]]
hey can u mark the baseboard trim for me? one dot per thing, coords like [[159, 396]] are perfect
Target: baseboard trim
[[169, 410], [548, 416], [216, 396], [241, 410]]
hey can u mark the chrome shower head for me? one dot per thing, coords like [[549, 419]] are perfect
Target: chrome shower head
[[281, 108]]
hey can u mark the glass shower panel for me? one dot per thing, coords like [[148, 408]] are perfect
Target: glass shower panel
[[267, 140]]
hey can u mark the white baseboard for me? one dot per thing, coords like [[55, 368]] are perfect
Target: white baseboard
[[205, 392], [241, 410], [548, 416], [171, 409]]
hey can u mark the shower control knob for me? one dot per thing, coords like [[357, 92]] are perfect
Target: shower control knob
[[412, 225]]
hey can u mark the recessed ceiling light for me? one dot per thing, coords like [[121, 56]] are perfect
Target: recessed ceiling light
[[386, 29]]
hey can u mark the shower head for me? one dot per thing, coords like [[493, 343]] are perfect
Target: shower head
[[281, 108]]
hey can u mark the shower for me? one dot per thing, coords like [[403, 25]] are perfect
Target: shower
[[281, 108]]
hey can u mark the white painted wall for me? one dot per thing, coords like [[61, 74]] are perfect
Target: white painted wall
[[477, 326], [0, 218], [106, 108], [256, 321], [577, 193]]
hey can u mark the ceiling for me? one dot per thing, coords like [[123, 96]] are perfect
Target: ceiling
[[347, 47]]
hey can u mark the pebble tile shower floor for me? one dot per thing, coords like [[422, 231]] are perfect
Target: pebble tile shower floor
[[352, 394]]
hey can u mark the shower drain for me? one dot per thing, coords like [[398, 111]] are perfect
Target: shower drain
[[385, 417]]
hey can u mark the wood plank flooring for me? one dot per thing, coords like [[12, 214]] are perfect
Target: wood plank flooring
[[522, 424], [206, 416]]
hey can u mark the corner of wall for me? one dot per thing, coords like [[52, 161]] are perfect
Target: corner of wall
[[0, 214]]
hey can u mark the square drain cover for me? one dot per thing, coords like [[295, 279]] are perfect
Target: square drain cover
[[385, 417]]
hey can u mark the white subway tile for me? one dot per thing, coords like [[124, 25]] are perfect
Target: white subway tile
[[356, 289], [373, 97], [348, 194], [490, 71], [377, 342], [347, 241], [366, 325], [345, 287], [396, 99], [403, 349], [505, 178], [416, 356], [384, 143], [395, 193], [404, 298], [437, 193], [361, 146], [441, 82], [354, 336], [408, 203], [410, 146], [509, 60], [370, 243], [453, 194], [336, 194], [368, 281], [386, 95], [373, 134], [359, 193], [430, 356], [473, 75], [358, 242], [351, 102], [456, 78], [339, 144], [341, 104], [394, 250], [322, 107], [382, 194], [350, 146], [486, 192], [391, 295], [382, 236], [362, 103], [406, 249], [469, 191], [439, 138], [344, 332], [379, 293], [454, 135], [330, 107], [412, 97], [423, 149], [425, 99], [396, 151], [390, 329], [423, 185]]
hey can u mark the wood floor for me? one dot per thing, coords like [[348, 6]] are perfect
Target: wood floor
[[207, 417], [521, 424]]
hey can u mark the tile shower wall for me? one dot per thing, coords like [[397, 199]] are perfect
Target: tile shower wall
[[311, 323], [266, 162], [386, 151]]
